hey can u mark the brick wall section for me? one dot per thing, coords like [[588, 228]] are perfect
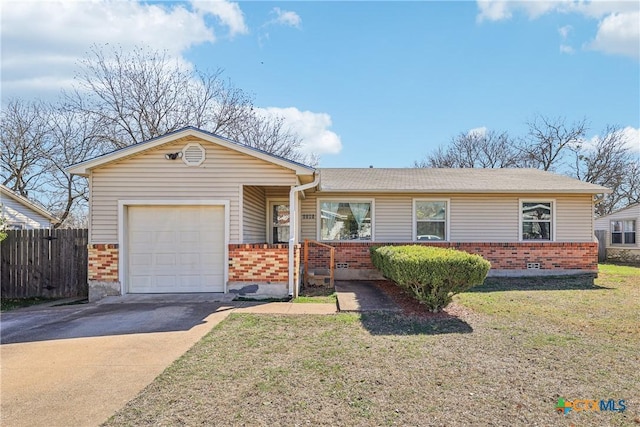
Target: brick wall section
[[103, 262], [260, 263], [503, 256]]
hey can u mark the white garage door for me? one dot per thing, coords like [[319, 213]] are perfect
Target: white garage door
[[176, 249]]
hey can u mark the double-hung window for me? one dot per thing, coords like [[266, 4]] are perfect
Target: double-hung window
[[345, 220], [430, 219], [536, 220], [623, 232]]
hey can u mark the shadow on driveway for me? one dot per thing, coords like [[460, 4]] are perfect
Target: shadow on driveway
[[94, 320]]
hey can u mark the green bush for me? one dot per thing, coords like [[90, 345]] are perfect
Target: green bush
[[432, 274]]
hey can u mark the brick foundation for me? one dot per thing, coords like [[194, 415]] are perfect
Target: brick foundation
[[103, 262], [103, 271], [552, 256], [261, 269]]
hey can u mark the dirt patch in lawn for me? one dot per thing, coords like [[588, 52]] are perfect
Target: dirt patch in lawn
[[509, 368]]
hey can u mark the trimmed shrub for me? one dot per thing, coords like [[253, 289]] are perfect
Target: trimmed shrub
[[432, 274]]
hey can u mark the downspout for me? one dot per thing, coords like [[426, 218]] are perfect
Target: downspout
[[293, 229]]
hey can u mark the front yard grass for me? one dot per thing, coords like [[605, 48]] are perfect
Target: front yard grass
[[501, 356]]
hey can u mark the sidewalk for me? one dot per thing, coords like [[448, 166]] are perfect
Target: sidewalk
[[285, 308]]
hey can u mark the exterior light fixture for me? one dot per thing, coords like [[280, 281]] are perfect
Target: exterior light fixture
[[173, 156]]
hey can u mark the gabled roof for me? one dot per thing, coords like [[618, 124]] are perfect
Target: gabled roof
[[6, 191], [441, 180], [633, 208], [83, 168]]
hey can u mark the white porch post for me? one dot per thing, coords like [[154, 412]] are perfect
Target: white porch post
[[293, 230]]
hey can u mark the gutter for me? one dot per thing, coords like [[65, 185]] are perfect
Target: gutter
[[293, 229]]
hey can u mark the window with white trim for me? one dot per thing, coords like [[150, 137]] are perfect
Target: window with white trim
[[341, 220], [536, 220], [430, 217], [623, 232]]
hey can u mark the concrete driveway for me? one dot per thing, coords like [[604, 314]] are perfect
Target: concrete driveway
[[76, 365]]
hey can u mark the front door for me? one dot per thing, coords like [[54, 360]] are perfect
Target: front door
[[279, 222]]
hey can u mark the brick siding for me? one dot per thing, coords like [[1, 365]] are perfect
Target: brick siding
[[503, 256], [103, 262], [260, 263]]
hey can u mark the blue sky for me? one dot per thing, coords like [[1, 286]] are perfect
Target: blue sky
[[364, 83]]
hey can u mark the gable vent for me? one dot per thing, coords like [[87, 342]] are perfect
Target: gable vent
[[193, 154]]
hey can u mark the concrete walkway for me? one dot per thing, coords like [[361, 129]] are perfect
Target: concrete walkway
[[363, 296], [62, 372]]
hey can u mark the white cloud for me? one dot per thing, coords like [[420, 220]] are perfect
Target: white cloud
[[564, 31], [480, 131], [312, 128], [629, 133], [492, 10], [228, 13], [632, 135], [286, 17], [42, 41], [618, 21], [565, 48], [619, 33]]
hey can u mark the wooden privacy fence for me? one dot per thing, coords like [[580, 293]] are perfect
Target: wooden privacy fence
[[601, 235], [44, 263]]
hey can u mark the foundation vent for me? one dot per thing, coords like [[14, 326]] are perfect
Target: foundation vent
[[533, 265], [342, 265]]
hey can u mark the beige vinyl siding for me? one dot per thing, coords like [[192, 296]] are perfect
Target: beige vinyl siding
[[254, 215], [308, 225], [277, 192], [472, 217], [478, 218], [150, 176], [389, 226], [574, 218], [17, 214], [630, 213]]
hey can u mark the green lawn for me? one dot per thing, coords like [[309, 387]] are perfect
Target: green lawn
[[7, 304], [501, 356]]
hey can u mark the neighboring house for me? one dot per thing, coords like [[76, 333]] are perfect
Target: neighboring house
[[22, 214], [622, 229], [193, 212]]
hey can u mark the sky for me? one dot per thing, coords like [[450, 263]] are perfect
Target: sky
[[363, 83]]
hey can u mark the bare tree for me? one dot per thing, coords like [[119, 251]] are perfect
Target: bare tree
[[139, 95], [610, 162], [24, 145], [489, 149], [550, 140], [269, 133], [73, 140], [553, 145]]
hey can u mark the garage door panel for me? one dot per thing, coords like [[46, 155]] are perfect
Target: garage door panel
[[166, 259], [176, 249]]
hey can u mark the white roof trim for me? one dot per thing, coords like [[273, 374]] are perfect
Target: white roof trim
[[83, 168], [28, 203]]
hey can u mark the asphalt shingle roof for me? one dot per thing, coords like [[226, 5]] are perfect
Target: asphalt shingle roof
[[466, 180]]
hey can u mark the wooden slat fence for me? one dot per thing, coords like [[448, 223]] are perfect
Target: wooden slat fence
[[44, 263], [601, 235]]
